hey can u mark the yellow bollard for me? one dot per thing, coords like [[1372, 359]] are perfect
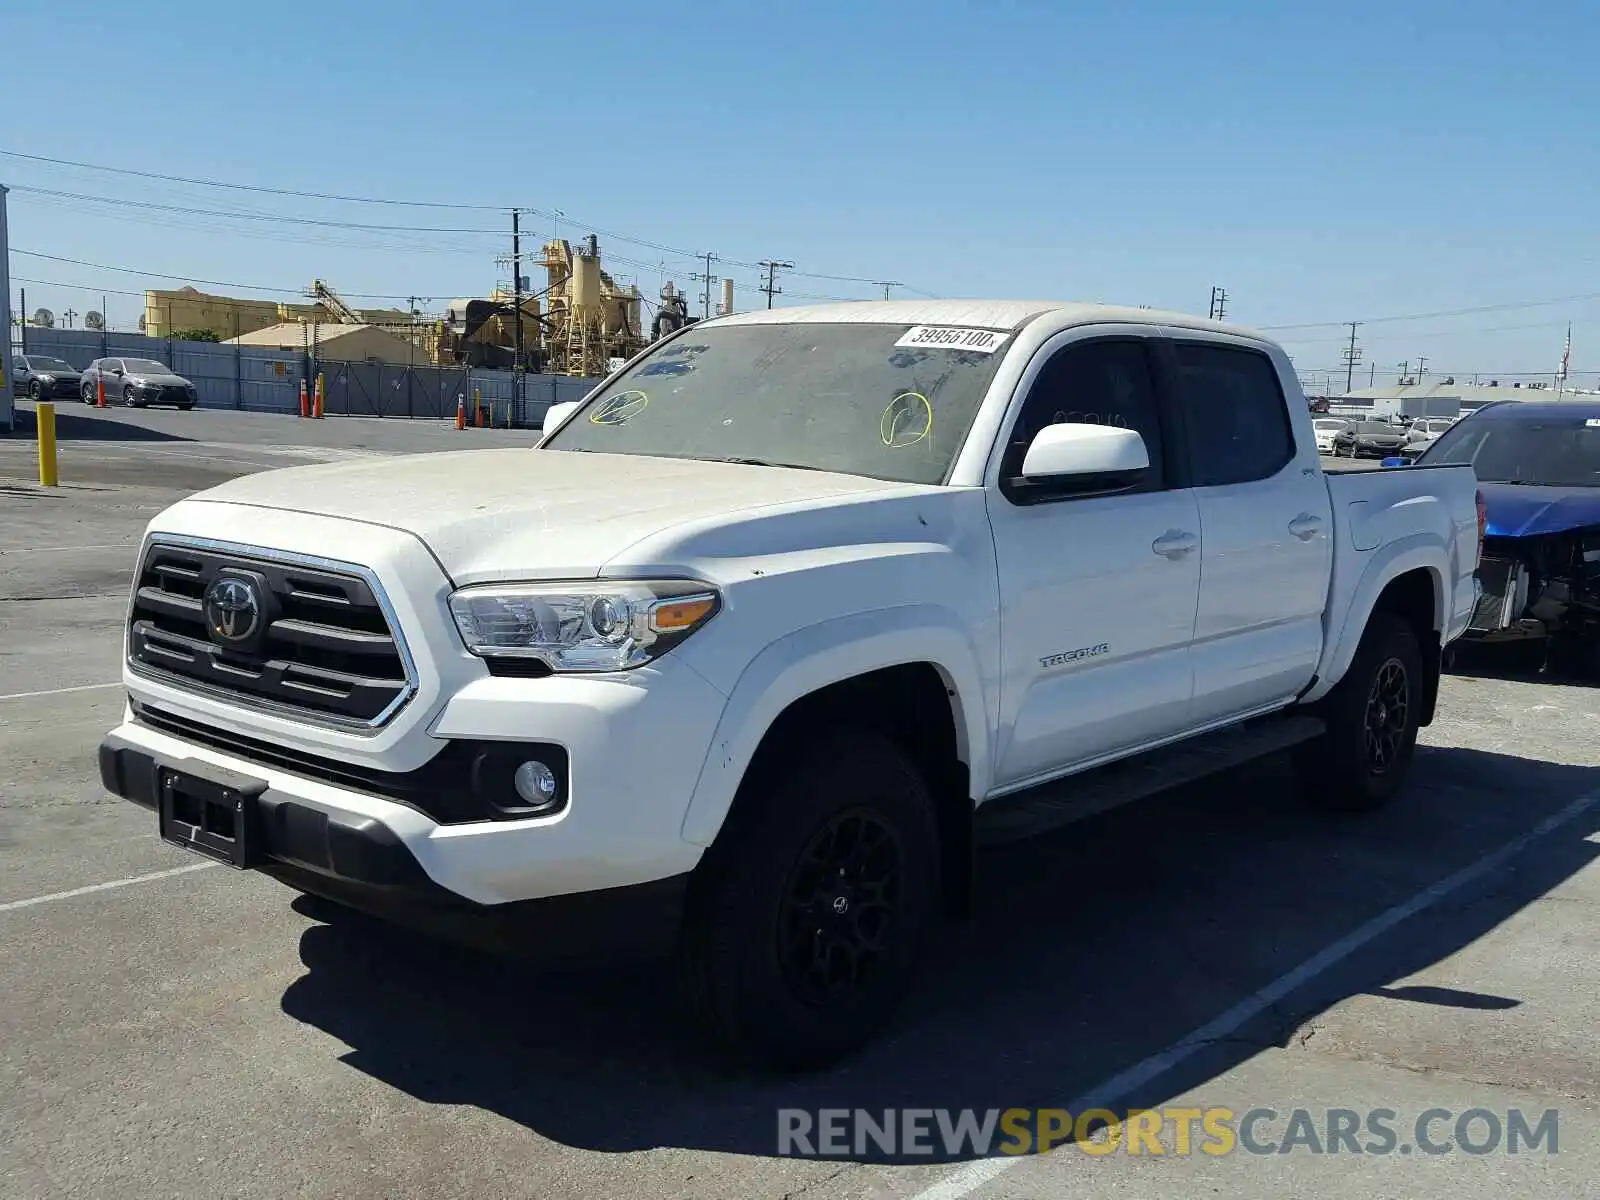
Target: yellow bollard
[[45, 417]]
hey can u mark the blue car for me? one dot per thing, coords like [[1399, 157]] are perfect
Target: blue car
[[1538, 469]]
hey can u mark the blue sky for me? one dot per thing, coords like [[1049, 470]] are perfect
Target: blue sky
[[1324, 163]]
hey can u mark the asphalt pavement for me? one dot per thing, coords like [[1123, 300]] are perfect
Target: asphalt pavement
[[175, 1028]]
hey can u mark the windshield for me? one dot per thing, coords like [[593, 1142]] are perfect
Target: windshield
[[144, 366], [1377, 427], [1328, 424], [43, 362], [886, 401], [1558, 451]]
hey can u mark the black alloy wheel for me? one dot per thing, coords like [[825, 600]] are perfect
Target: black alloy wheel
[[839, 907]]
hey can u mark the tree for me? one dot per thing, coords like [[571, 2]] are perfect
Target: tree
[[194, 335]]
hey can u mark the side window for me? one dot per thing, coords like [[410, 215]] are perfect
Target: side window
[[1234, 412], [1092, 383]]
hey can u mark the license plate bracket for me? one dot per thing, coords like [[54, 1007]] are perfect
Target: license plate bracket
[[212, 812]]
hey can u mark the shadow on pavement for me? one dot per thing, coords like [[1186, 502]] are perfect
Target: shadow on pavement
[[1527, 662], [1092, 950], [84, 423]]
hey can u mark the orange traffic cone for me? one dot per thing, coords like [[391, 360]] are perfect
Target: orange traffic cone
[[316, 404], [100, 392], [305, 400], [461, 411]]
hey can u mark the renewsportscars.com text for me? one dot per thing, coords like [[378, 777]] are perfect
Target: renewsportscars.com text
[[1178, 1132]]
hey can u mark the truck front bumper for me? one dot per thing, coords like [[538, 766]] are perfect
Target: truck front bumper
[[345, 849]]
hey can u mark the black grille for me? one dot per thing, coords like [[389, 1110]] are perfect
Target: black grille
[[174, 394], [326, 650], [1497, 577]]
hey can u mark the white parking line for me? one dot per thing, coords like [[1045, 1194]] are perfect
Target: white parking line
[[974, 1175], [86, 687], [64, 549], [12, 905]]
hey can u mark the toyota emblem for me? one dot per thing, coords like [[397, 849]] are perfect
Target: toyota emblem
[[232, 609]]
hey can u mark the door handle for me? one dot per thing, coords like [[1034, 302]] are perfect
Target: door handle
[[1174, 544], [1306, 526]]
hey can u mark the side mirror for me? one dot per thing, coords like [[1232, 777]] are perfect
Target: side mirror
[[117, 371], [1085, 458], [556, 414], [1396, 462]]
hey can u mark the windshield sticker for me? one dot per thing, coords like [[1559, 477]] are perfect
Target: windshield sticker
[[619, 409], [907, 420], [666, 368], [949, 337]]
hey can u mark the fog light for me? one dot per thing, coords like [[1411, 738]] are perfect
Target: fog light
[[535, 783]]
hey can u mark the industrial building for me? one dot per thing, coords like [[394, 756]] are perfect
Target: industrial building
[[334, 341], [187, 308], [1441, 397], [580, 322]]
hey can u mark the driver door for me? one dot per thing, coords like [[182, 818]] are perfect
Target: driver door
[[1098, 594]]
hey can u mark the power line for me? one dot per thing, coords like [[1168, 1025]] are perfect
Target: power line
[[248, 187], [262, 189], [237, 215], [1458, 312], [249, 287]]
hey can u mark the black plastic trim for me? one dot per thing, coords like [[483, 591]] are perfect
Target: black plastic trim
[[465, 782], [362, 863]]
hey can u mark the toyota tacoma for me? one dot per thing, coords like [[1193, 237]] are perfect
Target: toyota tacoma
[[795, 610]]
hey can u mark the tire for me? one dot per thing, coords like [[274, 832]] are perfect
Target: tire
[[87, 392], [1346, 770], [184, 407], [128, 398], [749, 959], [35, 392]]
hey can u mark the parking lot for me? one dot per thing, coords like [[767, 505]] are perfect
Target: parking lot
[[174, 1028]]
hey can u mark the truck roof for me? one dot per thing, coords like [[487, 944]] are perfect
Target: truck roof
[[1007, 315]]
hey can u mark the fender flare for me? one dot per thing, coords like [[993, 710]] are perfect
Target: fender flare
[[1418, 552], [829, 652]]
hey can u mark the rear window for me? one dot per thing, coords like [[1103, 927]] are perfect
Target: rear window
[[1235, 417]]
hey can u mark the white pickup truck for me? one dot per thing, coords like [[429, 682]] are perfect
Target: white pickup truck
[[794, 611]]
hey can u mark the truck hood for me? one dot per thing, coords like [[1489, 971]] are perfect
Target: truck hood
[[1516, 510], [526, 513]]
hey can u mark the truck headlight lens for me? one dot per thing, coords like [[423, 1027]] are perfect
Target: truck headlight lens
[[593, 626]]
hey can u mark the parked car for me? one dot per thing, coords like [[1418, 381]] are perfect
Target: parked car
[[41, 377], [137, 383], [1324, 428], [1538, 467], [790, 614], [1368, 439], [1423, 433]]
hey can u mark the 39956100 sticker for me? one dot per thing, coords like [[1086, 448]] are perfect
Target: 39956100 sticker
[[954, 337]]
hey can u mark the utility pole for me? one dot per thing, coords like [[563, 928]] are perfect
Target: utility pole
[[887, 284], [709, 280], [516, 318], [1219, 303], [1405, 371], [773, 266], [1352, 356], [1372, 374], [1422, 367], [69, 314]]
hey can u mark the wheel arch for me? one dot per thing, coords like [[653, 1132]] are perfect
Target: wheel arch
[[910, 674], [1409, 581]]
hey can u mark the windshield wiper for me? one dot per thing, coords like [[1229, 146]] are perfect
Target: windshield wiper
[[764, 462]]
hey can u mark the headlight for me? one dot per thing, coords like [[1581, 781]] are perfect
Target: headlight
[[591, 626], [46, 378]]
